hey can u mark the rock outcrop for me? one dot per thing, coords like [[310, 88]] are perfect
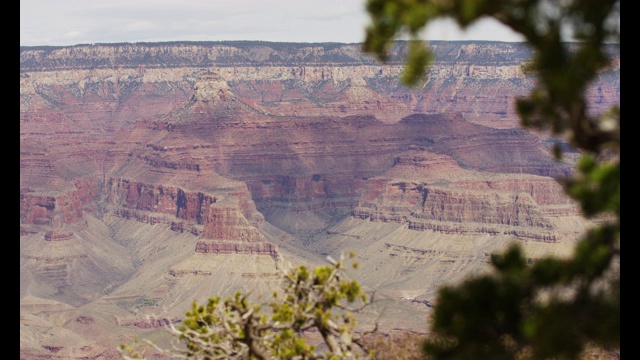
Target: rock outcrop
[[219, 217], [428, 191], [56, 208]]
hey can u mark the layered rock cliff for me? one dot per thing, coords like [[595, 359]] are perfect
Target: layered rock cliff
[[431, 192], [479, 80]]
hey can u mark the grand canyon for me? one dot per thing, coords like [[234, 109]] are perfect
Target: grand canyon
[[153, 175]]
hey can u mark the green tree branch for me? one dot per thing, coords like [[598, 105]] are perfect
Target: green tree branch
[[554, 308]]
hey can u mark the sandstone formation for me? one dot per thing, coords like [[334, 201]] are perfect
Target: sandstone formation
[[153, 175], [430, 191], [479, 80]]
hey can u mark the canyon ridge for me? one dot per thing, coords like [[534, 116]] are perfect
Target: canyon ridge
[[153, 175]]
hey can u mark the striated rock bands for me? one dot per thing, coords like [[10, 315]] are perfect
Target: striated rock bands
[[58, 235], [431, 192], [157, 170], [455, 210], [57, 208], [220, 216], [190, 206], [237, 247], [478, 80], [226, 222]]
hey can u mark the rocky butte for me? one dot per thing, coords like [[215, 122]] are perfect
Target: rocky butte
[[156, 174]]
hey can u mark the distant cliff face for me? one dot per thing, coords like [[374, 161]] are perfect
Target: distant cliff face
[[479, 80], [299, 126], [158, 132], [145, 167]]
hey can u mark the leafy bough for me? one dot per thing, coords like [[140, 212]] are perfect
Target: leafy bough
[[322, 300]]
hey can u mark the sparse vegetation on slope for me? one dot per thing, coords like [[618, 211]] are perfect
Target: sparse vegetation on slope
[[319, 301]]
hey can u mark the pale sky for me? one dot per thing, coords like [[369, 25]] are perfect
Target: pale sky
[[71, 22]]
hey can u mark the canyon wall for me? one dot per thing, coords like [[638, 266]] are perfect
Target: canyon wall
[[478, 80], [154, 173], [159, 132]]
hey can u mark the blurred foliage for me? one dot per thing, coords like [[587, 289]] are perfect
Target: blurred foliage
[[553, 308], [321, 300]]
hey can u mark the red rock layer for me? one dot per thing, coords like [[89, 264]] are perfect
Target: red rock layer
[[430, 191], [446, 204], [226, 222], [218, 217], [227, 231], [157, 198], [58, 208]]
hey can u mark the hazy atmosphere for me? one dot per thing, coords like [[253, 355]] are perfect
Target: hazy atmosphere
[[70, 22]]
